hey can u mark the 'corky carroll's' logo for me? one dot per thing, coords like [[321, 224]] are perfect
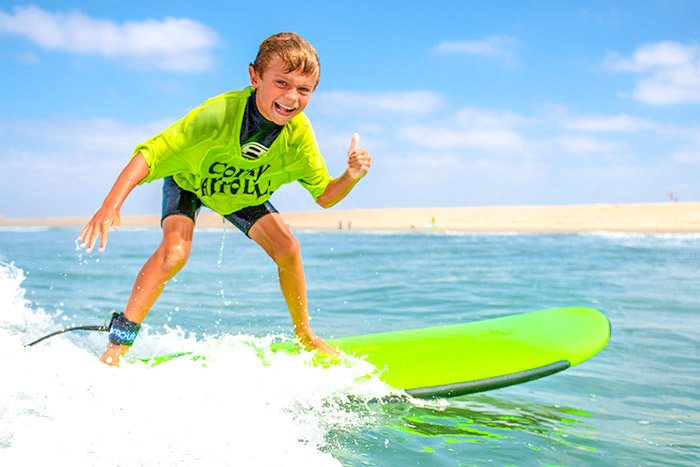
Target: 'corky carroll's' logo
[[227, 179], [253, 150]]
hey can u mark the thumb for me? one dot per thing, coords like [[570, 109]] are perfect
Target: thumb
[[354, 141]]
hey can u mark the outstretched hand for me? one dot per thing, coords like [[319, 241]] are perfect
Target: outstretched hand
[[108, 215], [359, 160], [104, 219]]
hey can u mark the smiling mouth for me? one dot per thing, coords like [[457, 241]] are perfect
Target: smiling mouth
[[283, 109]]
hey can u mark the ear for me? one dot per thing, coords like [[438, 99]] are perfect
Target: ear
[[254, 78]]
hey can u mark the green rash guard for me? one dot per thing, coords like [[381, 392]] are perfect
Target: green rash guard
[[203, 154]]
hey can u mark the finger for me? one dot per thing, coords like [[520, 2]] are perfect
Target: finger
[[359, 162], [366, 163], [85, 232], [354, 141], [104, 232], [85, 235], [93, 239], [90, 244], [103, 240]]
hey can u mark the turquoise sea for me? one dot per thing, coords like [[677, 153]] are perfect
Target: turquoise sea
[[635, 403]]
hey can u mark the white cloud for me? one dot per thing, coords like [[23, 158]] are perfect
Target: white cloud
[[586, 145], [671, 72], [453, 177], [438, 137], [561, 116], [469, 128], [408, 102], [649, 57], [174, 44], [691, 153], [621, 177], [475, 117], [96, 137], [688, 157], [616, 123], [509, 135], [491, 46], [70, 163]]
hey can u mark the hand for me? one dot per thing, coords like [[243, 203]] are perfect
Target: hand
[[99, 226], [108, 215], [359, 160]]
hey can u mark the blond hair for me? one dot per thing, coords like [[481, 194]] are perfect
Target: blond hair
[[297, 53]]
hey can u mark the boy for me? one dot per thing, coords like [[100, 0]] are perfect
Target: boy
[[230, 154]]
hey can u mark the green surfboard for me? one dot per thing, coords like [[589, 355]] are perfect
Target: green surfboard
[[459, 359], [449, 361]]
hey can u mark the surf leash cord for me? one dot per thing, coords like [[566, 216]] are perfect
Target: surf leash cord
[[76, 328], [121, 330]]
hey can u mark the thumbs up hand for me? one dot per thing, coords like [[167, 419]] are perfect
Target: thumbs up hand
[[359, 160]]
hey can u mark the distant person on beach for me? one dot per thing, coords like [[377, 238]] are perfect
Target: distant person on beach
[[230, 154]]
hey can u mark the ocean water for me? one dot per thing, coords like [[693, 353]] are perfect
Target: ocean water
[[635, 403]]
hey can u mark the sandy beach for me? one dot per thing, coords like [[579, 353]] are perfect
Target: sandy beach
[[643, 218]]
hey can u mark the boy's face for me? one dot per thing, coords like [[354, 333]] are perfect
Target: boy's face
[[281, 95]]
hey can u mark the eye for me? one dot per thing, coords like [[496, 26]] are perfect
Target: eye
[[304, 91], [281, 83]]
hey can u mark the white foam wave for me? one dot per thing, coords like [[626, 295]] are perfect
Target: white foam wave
[[647, 239], [608, 234], [16, 316], [247, 406]]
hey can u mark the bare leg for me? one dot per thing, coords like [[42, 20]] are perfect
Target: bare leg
[[273, 235], [167, 260]]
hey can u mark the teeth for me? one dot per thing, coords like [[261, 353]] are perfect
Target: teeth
[[288, 109]]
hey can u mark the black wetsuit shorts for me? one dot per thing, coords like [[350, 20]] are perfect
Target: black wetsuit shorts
[[179, 201]]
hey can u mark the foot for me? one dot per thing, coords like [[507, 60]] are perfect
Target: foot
[[114, 354], [313, 342]]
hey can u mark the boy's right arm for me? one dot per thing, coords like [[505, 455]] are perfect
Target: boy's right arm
[[108, 215]]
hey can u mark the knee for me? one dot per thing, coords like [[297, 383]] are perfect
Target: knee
[[174, 254], [287, 252]]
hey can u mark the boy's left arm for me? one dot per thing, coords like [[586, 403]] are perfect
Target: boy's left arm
[[359, 162]]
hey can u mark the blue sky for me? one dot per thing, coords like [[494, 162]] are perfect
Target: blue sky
[[459, 103]]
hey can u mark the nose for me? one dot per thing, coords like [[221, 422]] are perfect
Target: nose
[[292, 94]]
